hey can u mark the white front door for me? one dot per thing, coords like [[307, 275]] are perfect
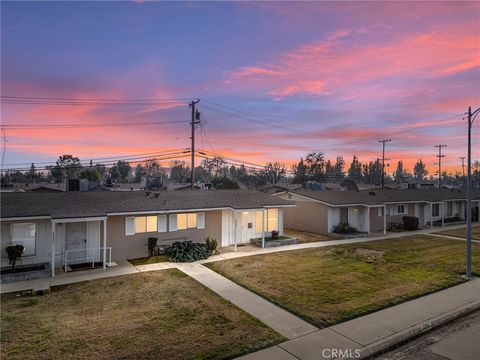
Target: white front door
[[76, 239], [244, 227]]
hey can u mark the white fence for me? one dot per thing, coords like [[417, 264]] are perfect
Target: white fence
[[85, 256]]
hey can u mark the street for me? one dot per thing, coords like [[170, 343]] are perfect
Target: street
[[458, 340]]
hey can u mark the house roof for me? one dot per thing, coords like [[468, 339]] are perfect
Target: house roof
[[380, 197], [91, 204]]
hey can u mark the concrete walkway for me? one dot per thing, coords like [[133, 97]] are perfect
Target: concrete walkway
[[278, 319], [379, 331]]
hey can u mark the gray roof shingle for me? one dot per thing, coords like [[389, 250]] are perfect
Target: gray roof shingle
[[379, 197], [89, 204]]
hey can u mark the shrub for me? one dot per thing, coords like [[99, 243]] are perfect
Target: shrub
[[410, 223], [151, 245], [395, 227], [274, 234], [212, 245], [187, 251], [344, 228], [14, 252]]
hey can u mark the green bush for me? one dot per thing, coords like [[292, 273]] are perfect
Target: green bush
[[410, 223], [187, 251], [14, 252], [212, 245], [344, 228]]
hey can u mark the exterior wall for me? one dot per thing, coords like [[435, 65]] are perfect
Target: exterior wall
[[307, 216], [43, 236], [135, 246], [376, 221], [398, 219]]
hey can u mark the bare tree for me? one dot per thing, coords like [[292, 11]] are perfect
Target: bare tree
[[273, 173]]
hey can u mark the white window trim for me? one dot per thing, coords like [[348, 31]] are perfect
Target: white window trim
[[162, 223], [34, 237], [130, 225]]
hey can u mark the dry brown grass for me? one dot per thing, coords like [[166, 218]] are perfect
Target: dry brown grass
[[306, 237], [329, 285], [154, 315], [462, 232]]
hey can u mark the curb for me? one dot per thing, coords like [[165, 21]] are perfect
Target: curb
[[417, 330]]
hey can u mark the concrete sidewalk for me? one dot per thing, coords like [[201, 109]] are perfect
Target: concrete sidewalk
[[381, 330], [278, 319]]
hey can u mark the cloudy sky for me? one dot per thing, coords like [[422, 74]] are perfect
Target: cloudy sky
[[276, 80]]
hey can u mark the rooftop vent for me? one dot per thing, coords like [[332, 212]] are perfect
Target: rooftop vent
[[372, 193], [156, 195], [147, 193]]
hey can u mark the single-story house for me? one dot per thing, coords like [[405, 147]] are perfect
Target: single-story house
[[72, 227], [373, 210]]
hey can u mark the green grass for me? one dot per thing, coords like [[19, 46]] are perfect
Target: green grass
[[149, 260], [332, 284], [152, 315], [461, 232]]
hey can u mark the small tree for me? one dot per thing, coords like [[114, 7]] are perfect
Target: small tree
[[14, 252]]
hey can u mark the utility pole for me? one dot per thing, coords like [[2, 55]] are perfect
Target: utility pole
[[383, 159], [471, 118], [440, 156], [195, 121]]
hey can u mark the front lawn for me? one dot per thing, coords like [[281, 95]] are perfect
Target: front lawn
[[462, 232], [153, 315], [332, 284]]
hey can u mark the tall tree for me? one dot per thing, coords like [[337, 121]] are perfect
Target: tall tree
[[355, 170], [153, 168], [273, 173], [32, 172], [179, 171], [124, 169], [338, 172], [329, 171], [399, 174], [139, 172], [315, 162], [299, 172], [69, 165], [419, 170]]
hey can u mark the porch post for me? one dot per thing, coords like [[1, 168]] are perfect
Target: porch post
[[235, 221], [52, 265], [104, 244], [431, 215], [385, 219], [263, 228], [368, 220], [443, 214]]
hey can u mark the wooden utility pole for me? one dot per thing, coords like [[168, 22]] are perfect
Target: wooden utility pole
[[383, 159], [195, 121], [440, 156]]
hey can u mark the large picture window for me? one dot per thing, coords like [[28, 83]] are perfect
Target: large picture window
[[24, 234], [271, 220]]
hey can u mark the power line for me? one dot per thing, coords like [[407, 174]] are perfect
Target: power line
[[88, 125], [43, 98], [118, 157]]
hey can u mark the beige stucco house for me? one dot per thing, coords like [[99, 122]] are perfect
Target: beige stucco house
[[62, 229], [373, 210]]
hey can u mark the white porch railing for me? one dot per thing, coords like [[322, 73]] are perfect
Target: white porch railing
[[81, 256]]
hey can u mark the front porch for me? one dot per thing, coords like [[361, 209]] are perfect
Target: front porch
[[78, 244]]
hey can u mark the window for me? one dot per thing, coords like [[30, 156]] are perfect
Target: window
[[186, 221], [398, 209], [380, 211], [141, 224], [271, 220], [436, 210], [24, 234], [401, 209]]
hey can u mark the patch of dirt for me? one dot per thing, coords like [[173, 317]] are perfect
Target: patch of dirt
[[369, 252]]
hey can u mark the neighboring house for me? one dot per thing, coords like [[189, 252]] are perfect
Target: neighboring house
[[373, 210], [74, 227]]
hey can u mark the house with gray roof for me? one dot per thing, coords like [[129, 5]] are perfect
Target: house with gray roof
[[374, 210], [68, 228]]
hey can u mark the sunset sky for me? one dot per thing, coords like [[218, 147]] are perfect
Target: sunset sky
[[276, 80]]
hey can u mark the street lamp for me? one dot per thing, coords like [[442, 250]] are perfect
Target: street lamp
[[471, 118]]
